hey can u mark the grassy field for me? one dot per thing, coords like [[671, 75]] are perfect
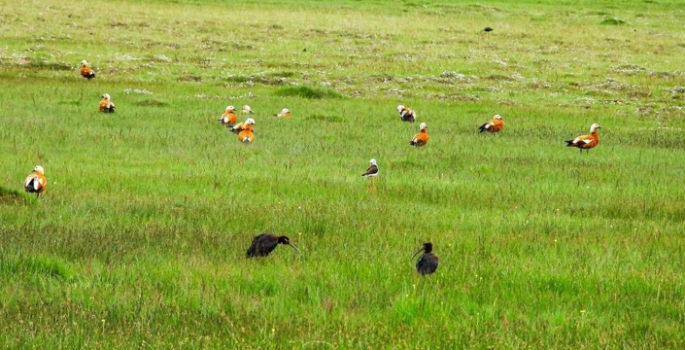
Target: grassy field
[[140, 239]]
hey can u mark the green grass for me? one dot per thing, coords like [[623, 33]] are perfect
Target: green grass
[[139, 241]]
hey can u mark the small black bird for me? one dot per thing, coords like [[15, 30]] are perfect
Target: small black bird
[[264, 244], [428, 262], [488, 29]]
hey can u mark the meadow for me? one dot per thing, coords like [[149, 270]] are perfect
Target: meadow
[[140, 239]]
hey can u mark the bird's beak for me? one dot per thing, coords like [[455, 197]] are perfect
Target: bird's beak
[[418, 251], [294, 247]]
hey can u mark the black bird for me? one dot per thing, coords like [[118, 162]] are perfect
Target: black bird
[[428, 262], [488, 29], [264, 244]]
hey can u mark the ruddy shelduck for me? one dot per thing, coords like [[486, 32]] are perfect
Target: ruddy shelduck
[[496, 125], [420, 139], [585, 142], [246, 110], [229, 118], [372, 172], [106, 104], [247, 135], [86, 72], [406, 114], [238, 128], [36, 182], [285, 113]]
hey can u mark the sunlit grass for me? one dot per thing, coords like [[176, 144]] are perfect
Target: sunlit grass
[[140, 239]]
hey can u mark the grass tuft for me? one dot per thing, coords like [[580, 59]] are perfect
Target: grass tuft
[[307, 92], [38, 266], [151, 103], [613, 22]]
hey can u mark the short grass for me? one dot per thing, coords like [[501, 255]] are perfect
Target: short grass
[[139, 241]]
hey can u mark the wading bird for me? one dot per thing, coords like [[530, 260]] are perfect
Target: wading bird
[[372, 172], [428, 262], [36, 182], [420, 139], [265, 243], [285, 113], [247, 134], [86, 72], [246, 110], [585, 142], [406, 114], [106, 104], [229, 118], [496, 125]]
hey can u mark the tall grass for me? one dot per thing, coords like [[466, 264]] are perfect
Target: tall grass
[[141, 236]]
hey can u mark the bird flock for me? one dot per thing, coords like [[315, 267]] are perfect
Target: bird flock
[[265, 243]]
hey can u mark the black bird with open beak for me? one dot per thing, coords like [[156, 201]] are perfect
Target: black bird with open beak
[[428, 262], [264, 244]]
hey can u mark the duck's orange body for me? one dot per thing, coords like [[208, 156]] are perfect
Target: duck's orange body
[[420, 139], [229, 118], [586, 142], [496, 125], [36, 182], [106, 104], [247, 135], [86, 72], [406, 114]]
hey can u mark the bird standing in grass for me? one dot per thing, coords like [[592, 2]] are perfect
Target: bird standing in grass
[[585, 142], [246, 110], [229, 118], [428, 262], [247, 134], [496, 125], [420, 139], [265, 243], [106, 104], [372, 172], [285, 113], [36, 182], [406, 114], [86, 72]]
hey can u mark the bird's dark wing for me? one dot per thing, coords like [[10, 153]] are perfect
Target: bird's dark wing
[[371, 170], [427, 264], [262, 245]]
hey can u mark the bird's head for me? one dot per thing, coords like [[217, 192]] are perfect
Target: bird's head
[[230, 108], [285, 111], [498, 117], [426, 247], [39, 169], [373, 161], [400, 108], [247, 109], [106, 97], [594, 127], [285, 240], [423, 126], [249, 121], [84, 63]]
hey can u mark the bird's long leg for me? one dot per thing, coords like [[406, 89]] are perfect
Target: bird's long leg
[[374, 185]]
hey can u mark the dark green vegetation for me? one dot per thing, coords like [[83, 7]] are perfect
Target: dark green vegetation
[[140, 239]]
